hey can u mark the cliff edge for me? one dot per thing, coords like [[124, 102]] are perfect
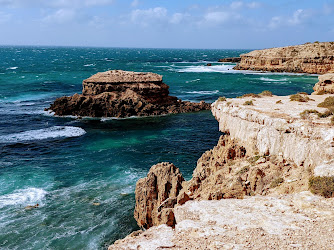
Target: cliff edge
[[311, 58], [252, 190]]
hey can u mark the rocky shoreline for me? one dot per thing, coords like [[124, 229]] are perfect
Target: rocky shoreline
[[252, 190], [311, 58], [123, 94]]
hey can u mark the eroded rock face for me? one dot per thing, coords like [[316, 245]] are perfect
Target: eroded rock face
[[325, 84], [315, 58], [120, 93], [156, 195]]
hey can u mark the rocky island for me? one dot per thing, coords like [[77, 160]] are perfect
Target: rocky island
[[269, 182], [122, 94], [311, 58]]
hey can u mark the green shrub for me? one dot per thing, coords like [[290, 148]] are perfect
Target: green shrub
[[222, 99], [322, 185], [249, 95], [248, 103], [327, 103], [266, 93], [299, 98], [306, 112], [275, 183]]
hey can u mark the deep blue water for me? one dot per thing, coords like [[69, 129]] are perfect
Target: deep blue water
[[65, 165]]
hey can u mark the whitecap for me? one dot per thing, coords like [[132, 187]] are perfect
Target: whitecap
[[89, 65], [206, 69], [196, 80], [267, 79], [12, 68], [204, 92], [42, 134], [25, 197]]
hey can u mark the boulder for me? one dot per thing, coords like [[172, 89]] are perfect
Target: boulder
[[122, 94], [325, 84]]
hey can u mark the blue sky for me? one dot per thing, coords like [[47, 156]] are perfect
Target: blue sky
[[166, 24]]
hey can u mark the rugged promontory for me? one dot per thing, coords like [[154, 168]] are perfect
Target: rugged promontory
[[259, 188], [311, 58], [118, 93]]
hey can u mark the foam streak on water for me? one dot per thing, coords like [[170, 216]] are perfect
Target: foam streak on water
[[42, 134]]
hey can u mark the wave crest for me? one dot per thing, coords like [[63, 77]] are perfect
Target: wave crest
[[28, 196], [42, 134]]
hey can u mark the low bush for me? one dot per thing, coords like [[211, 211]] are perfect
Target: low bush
[[299, 98], [322, 185], [222, 99], [247, 103]]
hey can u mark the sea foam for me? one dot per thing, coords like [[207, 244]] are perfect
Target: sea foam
[[42, 134], [28, 196]]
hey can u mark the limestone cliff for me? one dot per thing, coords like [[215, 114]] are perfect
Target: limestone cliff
[[312, 58], [325, 84], [269, 148], [120, 93]]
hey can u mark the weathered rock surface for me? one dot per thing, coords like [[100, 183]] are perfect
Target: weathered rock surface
[[224, 172], [230, 59], [277, 129], [120, 93], [325, 84], [312, 58], [156, 195], [297, 221]]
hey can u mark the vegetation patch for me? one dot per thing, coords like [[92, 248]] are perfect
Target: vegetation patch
[[245, 169], [266, 93], [279, 102], [247, 103], [322, 186], [321, 92], [299, 98], [275, 183], [249, 95], [306, 112], [222, 99], [253, 159], [327, 103]]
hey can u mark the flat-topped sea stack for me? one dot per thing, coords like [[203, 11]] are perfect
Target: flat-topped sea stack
[[123, 94], [311, 58]]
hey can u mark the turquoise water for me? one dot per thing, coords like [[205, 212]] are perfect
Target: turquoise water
[[66, 165]]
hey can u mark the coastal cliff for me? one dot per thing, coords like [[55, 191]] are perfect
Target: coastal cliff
[[122, 94], [253, 188], [311, 58]]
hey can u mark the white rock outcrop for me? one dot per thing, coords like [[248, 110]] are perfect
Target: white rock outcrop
[[273, 125]]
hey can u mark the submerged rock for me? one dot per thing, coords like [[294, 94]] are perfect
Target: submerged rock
[[312, 58], [122, 94]]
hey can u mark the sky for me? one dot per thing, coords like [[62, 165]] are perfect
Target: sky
[[212, 24]]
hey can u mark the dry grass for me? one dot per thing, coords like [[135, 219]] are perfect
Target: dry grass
[[279, 102], [322, 185], [222, 99], [266, 93], [249, 95], [299, 98], [327, 103], [248, 103], [275, 183]]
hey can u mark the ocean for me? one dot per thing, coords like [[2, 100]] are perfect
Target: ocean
[[82, 173]]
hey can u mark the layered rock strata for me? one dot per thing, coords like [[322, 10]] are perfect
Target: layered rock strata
[[120, 93], [230, 59], [267, 149], [325, 85], [312, 58]]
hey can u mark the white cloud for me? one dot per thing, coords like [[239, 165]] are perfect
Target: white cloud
[[146, 17], [178, 18], [5, 17], [55, 3], [254, 5], [236, 5], [135, 3], [298, 17], [217, 17], [60, 16]]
